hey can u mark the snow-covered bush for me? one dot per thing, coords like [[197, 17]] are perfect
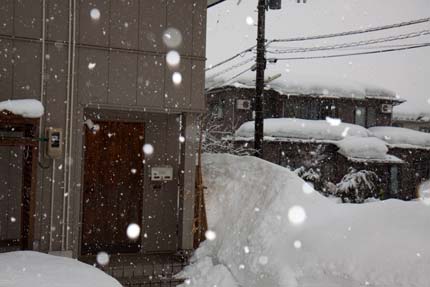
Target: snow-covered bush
[[357, 186]]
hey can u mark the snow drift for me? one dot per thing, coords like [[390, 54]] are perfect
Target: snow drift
[[273, 230], [304, 129], [402, 136], [28, 268]]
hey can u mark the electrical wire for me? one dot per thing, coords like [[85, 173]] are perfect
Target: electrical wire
[[324, 36], [354, 32], [238, 65], [352, 44], [412, 46]]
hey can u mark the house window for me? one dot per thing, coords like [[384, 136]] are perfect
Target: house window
[[360, 116], [218, 110], [371, 117], [394, 180]]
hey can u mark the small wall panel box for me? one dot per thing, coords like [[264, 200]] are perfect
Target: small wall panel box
[[162, 173], [55, 142]]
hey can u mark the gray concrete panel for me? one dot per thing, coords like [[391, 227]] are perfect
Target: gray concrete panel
[[199, 34], [28, 18], [27, 69], [122, 78], [198, 85], [124, 24], [150, 81], [94, 30], [152, 25], [176, 19], [6, 17], [57, 22], [178, 96], [92, 75], [6, 72]]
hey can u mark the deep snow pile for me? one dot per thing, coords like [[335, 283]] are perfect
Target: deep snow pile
[[28, 268], [304, 129], [402, 136], [363, 147], [26, 108], [273, 230]]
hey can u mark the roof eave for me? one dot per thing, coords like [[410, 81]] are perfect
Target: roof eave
[[214, 2]]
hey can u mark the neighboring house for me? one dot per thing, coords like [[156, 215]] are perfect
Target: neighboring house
[[99, 69], [419, 122], [324, 153], [231, 104]]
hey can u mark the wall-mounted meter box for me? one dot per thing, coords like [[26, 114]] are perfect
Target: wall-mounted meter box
[[162, 173], [55, 142]]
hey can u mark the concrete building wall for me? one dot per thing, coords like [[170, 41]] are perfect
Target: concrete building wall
[[55, 52]]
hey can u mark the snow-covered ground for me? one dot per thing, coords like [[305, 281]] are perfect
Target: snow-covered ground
[[272, 229], [34, 269]]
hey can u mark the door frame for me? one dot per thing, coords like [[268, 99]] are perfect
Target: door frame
[[84, 129]]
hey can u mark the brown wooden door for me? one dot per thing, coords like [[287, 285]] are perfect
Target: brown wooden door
[[113, 187]]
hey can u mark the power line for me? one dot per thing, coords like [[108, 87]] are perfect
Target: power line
[[231, 79], [352, 44], [354, 32], [238, 65], [231, 58], [347, 33], [412, 46]]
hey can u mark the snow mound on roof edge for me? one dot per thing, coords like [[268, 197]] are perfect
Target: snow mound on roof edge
[[28, 268], [309, 85], [304, 129], [401, 136], [248, 203], [363, 147], [26, 108]]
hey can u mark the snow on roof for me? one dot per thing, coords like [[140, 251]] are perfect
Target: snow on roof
[[311, 85], [415, 117], [366, 148], [402, 137], [304, 129], [28, 268], [26, 108], [271, 222]]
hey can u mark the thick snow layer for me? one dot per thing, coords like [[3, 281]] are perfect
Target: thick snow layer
[[28, 268], [289, 84], [401, 136], [363, 147], [304, 129], [25, 108], [418, 117], [272, 230]]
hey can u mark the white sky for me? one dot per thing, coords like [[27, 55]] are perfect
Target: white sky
[[405, 72]]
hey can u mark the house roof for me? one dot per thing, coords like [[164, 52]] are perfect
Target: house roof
[[411, 117], [214, 2], [296, 85]]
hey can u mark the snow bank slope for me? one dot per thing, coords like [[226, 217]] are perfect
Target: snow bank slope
[[28, 268], [401, 136], [256, 207]]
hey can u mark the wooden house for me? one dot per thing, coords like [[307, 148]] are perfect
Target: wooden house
[[231, 104], [415, 121], [99, 69]]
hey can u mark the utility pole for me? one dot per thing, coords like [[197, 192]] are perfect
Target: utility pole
[[260, 67], [259, 83]]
